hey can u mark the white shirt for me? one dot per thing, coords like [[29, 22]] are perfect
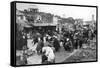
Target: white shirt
[[44, 39], [31, 45], [49, 53]]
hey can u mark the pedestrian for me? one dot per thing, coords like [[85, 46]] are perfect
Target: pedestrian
[[49, 55], [56, 44], [40, 45]]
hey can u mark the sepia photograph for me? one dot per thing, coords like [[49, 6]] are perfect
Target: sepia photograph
[[53, 34]]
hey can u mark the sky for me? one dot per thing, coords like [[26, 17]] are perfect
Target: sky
[[76, 12]]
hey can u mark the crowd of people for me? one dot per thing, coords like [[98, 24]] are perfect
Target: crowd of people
[[48, 42]]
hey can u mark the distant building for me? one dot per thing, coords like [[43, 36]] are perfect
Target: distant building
[[33, 10], [20, 15], [79, 21], [41, 19], [21, 20], [93, 18], [91, 22]]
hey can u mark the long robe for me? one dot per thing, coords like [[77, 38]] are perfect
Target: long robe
[[49, 53]]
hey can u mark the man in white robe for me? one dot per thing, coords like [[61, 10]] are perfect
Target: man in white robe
[[49, 53]]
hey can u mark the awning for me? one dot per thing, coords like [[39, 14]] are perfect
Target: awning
[[43, 24]]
